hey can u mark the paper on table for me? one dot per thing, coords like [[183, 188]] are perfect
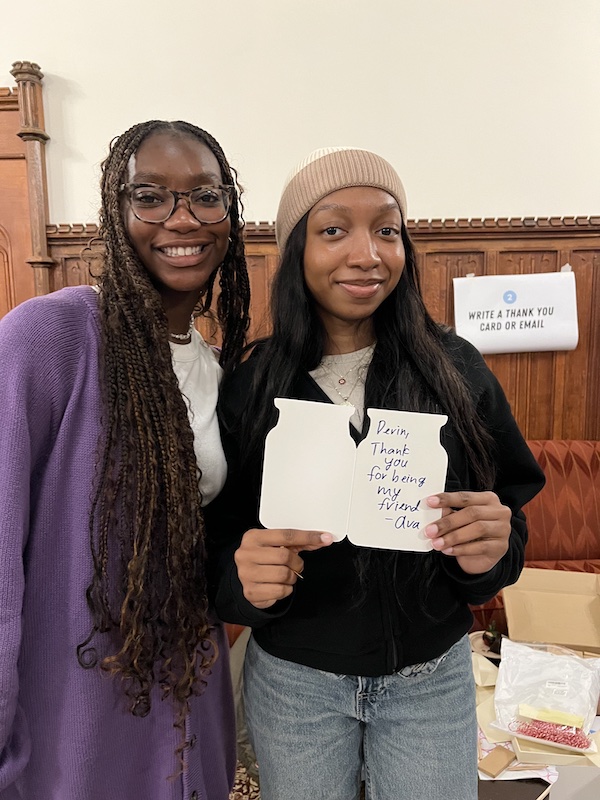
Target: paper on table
[[486, 714], [484, 671]]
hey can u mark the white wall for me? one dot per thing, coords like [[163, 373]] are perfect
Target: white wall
[[485, 107]]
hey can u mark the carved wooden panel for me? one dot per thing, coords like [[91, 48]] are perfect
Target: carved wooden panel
[[262, 257], [76, 255], [553, 395], [262, 263], [7, 290], [437, 269]]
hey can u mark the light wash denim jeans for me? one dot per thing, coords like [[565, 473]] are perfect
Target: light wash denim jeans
[[413, 735]]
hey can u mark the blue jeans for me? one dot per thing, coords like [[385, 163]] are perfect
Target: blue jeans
[[413, 735]]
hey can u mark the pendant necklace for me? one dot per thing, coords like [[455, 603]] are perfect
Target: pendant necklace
[[337, 379]]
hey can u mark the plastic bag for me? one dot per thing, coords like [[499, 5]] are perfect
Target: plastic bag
[[547, 693]]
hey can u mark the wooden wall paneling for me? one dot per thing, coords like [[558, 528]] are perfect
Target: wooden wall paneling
[[9, 123], [592, 410], [538, 385], [532, 375], [76, 253], [553, 394], [7, 290], [438, 268], [262, 257], [582, 371], [262, 264]]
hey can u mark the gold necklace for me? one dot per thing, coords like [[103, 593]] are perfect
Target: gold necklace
[[346, 398], [342, 379]]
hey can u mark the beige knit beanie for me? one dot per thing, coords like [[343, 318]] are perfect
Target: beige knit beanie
[[325, 171]]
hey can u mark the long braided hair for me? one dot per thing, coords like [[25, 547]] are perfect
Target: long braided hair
[[148, 590]]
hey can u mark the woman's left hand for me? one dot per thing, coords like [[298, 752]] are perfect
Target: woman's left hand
[[474, 528]]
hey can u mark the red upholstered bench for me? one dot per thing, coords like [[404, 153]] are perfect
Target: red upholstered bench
[[563, 519]]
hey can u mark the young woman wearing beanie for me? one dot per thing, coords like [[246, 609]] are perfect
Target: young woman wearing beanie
[[363, 665], [114, 673]]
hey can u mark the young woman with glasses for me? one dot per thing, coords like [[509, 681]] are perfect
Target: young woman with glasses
[[114, 677], [359, 661]]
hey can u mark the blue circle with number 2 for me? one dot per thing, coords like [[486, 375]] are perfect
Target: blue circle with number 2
[[509, 297]]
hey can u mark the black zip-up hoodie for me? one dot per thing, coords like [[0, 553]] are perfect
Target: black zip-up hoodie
[[335, 621]]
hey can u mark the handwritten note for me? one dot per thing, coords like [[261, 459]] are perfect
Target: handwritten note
[[397, 466]]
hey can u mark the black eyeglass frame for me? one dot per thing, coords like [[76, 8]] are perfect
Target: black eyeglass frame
[[228, 190]]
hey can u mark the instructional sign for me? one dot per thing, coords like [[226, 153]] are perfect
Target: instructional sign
[[315, 478], [517, 313]]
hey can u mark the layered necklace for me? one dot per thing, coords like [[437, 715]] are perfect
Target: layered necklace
[[345, 375]]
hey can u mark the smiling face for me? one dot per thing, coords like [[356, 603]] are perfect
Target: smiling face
[[353, 260], [181, 253]]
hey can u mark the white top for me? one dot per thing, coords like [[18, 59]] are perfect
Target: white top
[[199, 374]]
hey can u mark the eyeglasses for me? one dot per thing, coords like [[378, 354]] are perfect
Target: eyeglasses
[[152, 203]]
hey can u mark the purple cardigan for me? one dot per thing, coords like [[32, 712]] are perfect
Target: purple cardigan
[[65, 733]]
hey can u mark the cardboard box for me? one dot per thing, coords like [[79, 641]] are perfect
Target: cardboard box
[[556, 607], [496, 761]]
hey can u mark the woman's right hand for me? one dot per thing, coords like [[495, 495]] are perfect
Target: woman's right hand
[[268, 563]]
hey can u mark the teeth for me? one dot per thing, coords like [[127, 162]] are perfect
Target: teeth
[[182, 251]]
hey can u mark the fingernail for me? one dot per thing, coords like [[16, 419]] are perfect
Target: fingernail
[[448, 551], [434, 500], [326, 538], [438, 543], [431, 531]]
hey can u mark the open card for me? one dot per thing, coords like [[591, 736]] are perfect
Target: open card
[[315, 478]]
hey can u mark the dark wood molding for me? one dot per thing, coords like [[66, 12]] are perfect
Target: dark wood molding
[[505, 226], [29, 86], [71, 232], [516, 227], [9, 99], [464, 228]]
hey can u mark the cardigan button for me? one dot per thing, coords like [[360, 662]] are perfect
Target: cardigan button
[[192, 741], [194, 795]]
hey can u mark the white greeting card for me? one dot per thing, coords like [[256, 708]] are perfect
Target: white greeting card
[[315, 478]]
